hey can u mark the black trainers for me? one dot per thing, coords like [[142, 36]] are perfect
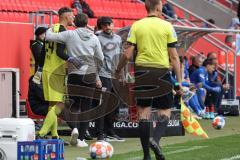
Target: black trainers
[[156, 149], [101, 137], [87, 136], [114, 138]]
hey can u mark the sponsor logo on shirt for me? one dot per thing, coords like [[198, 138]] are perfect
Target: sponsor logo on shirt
[[110, 46]]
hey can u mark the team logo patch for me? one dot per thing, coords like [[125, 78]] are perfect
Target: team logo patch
[[110, 46]]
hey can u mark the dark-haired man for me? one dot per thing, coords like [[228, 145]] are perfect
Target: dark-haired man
[[83, 7], [84, 46], [51, 71], [155, 47], [111, 47], [214, 79], [201, 75], [196, 63]]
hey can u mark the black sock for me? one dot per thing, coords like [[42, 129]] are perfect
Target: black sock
[[82, 130], [161, 127], [100, 126], [144, 131]]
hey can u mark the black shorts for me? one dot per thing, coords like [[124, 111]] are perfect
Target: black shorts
[[153, 88]]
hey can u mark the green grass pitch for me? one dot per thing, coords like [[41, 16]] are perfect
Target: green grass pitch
[[222, 145]]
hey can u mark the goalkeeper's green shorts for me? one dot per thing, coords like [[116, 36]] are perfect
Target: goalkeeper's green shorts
[[53, 86]]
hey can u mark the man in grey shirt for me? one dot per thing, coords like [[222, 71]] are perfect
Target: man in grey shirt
[[111, 47], [86, 57]]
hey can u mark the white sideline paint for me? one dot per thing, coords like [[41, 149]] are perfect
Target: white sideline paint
[[178, 151], [177, 147], [185, 150], [232, 158]]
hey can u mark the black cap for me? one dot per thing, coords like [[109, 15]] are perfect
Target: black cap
[[40, 30], [106, 20]]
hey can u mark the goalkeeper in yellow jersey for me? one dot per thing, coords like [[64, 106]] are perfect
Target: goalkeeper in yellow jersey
[[52, 72]]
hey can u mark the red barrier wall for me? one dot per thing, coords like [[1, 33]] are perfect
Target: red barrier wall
[[14, 50]]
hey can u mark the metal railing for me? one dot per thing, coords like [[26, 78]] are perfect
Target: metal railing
[[192, 14], [213, 30], [209, 38], [39, 17], [233, 4]]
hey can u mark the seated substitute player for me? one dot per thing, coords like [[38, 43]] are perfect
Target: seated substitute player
[[155, 41], [189, 91], [201, 75], [52, 72], [36, 98], [213, 78]]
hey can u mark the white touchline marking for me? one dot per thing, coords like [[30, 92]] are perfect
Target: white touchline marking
[[172, 147], [185, 150], [232, 158], [176, 151]]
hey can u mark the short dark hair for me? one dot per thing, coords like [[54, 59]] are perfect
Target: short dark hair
[[211, 21], [99, 23], [106, 20], [81, 20], [209, 54], [151, 4], [208, 62], [63, 10], [40, 30]]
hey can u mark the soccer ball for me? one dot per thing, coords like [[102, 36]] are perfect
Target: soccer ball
[[218, 122], [101, 150]]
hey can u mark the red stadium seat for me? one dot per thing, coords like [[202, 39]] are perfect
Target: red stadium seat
[[92, 22], [8, 6], [180, 13], [128, 22], [12, 17], [22, 17], [118, 23], [121, 9], [31, 114], [25, 6], [26, 17], [126, 9], [4, 16], [33, 5]]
